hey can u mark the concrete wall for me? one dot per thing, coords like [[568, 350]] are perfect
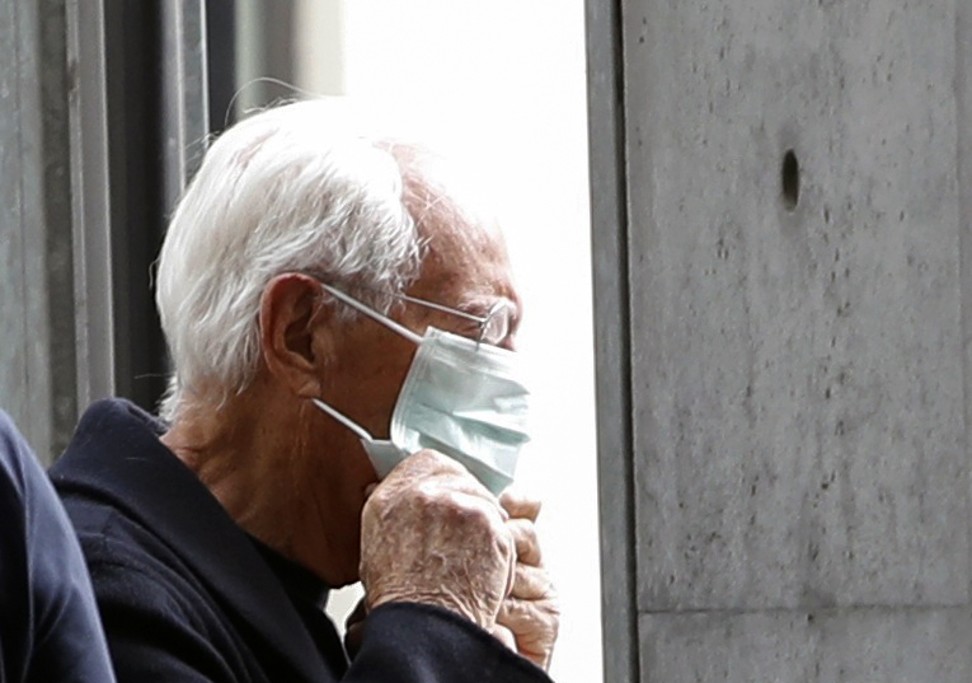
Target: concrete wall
[[37, 367], [58, 253], [799, 488]]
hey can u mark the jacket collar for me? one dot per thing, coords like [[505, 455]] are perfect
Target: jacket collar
[[116, 455]]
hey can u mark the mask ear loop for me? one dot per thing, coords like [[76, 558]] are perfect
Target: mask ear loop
[[373, 314], [344, 420]]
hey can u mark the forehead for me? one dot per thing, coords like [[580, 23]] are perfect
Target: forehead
[[465, 254], [466, 264]]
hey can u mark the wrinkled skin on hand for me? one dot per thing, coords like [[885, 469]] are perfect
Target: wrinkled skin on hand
[[529, 617], [432, 534]]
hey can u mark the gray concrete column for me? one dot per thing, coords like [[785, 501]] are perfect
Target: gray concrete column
[[609, 225], [55, 345], [185, 121], [62, 263], [794, 190]]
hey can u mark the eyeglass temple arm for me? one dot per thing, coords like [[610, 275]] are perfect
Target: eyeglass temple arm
[[445, 309], [372, 313], [343, 419]]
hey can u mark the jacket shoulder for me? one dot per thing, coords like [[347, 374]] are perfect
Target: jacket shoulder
[[159, 618]]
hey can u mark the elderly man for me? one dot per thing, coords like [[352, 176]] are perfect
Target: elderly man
[[337, 312]]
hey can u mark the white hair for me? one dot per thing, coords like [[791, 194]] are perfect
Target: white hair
[[291, 189]]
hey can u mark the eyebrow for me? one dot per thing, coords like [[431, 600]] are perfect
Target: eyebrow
[[482, 303]]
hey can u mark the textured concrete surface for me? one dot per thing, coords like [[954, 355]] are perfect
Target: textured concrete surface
[[881, 645], [963, 86], [613, 358], [55, 261], [25, 369], [797, 378], [52, 314], [798, 384]]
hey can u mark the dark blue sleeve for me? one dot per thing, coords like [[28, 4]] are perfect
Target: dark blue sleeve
[[409, 643], [15, 619], [49, 625]]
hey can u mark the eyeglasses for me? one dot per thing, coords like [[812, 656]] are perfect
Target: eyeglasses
[[494, 327]]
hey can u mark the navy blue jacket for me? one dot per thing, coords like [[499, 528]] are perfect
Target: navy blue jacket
[[49, 628], [185, 595]]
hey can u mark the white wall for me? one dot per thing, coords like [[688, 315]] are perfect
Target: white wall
[[504, 82]]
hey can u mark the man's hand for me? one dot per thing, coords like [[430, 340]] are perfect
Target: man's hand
[[431, 533], [529, 617]]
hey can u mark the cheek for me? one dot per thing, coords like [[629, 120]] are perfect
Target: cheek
[[381, 374]]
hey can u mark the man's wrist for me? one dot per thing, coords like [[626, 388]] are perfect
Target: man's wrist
[[481, 617]]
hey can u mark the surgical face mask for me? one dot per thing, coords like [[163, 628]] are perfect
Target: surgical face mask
[[464, 399]]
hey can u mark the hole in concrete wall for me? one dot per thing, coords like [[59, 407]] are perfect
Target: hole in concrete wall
[[791, 180]]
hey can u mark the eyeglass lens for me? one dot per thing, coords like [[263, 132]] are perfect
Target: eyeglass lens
[[496, 327]]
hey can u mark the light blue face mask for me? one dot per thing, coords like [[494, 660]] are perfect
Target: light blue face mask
[[460, 397]]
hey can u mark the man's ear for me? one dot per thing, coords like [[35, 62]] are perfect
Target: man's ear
[[293, 340]]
